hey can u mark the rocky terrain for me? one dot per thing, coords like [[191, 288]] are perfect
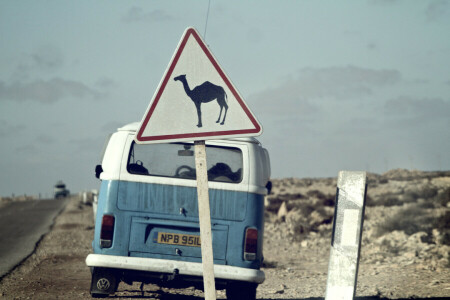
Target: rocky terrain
[[404, 255], [405, 243]]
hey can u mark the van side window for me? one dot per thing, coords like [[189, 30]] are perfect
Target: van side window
[[177, 161]]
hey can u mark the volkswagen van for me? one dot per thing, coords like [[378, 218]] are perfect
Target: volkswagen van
[[147, 223]]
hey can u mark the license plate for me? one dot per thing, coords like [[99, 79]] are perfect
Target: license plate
[[179, 239]]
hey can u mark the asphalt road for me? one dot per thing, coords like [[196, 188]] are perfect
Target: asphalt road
[[22, 224]]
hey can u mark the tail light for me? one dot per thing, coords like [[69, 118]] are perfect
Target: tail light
[[251, 243], [107, 231]]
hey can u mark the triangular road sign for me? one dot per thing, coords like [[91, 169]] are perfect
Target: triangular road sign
[[195, 100]]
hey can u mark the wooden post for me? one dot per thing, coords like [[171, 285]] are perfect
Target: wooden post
[[204, 214]]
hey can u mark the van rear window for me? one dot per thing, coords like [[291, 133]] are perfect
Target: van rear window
[[177, 160]]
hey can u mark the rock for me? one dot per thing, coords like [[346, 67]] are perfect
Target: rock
[[280, 290], [434, 283], [418, 237], [409, 255], [282, 211], [316, 217]]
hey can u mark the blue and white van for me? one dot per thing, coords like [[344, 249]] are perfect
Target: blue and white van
[[147, 225]]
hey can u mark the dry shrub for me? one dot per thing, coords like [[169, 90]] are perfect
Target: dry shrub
[[383, 180], [304, 208], [370, 201], [424, 193], [388, 201], [275, 201], [442, 224], [306, 218], [410, 196], [443, 197], [409, 220], [428, 192], [426, 204], [325, 199]]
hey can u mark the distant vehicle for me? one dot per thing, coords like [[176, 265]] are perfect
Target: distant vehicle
[[147, 225], [60, 190]]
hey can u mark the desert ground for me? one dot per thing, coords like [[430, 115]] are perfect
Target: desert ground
[[404, 255]]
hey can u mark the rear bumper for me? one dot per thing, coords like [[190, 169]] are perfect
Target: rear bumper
[[167, 266]]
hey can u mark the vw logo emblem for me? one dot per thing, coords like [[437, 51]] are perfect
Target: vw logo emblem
[[103, 284]]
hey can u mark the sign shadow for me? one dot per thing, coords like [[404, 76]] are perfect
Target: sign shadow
[[156, 295], [356, 298]]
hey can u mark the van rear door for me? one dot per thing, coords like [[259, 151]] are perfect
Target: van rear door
[[157, 190]]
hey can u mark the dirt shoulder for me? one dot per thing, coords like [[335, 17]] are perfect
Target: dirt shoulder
[[56, 269]]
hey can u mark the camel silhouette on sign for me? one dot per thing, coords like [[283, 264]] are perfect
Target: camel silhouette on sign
[[204, 93]]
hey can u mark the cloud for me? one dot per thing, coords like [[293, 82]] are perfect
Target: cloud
[[356, 126], [88, 145], [295, 94], [48, 57], [254, 35], [26, 149], [437, 9], [283, 100], [417, 81], [372, 46], [111, 126], [137, 14], [7, 129], [106, 83], [382, 2], [343, 82], [44, 139], [411, 112], [46, 91]]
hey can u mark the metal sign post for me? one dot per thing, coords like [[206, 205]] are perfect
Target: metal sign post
[[346, 237], [204, 213]]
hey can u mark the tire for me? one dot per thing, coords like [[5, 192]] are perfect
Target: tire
[[241, 291], [95, 295], [104, 282]]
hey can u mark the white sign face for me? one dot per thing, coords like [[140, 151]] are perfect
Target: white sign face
[[195, 100]]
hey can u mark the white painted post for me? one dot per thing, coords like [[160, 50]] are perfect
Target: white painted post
[[204, 214], [346, 236]]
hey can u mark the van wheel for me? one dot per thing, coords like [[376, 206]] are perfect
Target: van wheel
[[241, 291], [104, 282]]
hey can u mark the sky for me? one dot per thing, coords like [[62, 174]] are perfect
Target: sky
[[337, 85]]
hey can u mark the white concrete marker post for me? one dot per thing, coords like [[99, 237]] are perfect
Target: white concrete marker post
[[204, 213], [346, 237]]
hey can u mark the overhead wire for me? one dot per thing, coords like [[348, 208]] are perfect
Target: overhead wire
[[206, 24]]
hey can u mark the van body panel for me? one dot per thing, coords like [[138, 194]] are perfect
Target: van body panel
[[166, 266], [112, 157], [179, 200]]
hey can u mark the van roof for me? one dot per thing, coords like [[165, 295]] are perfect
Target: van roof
[[133, 127]]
